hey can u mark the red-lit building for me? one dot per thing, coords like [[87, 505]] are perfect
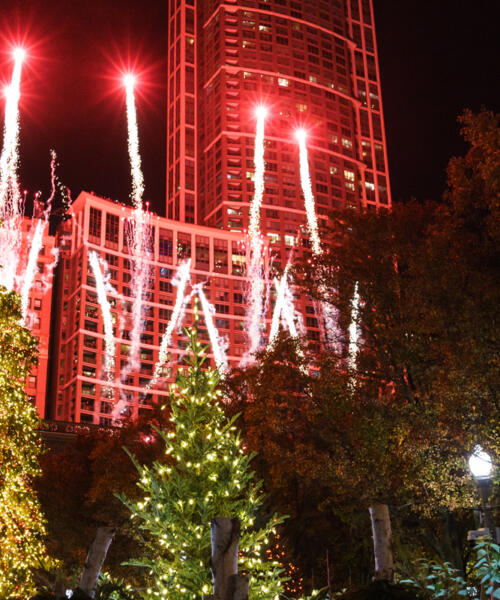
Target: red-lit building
[[39, 312], [314, 65], [80, 391]]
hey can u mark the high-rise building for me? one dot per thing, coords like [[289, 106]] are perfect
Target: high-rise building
[[39, 310], [314, 66], [80, 390]]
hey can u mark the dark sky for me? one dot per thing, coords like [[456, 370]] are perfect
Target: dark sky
[[436, 56]]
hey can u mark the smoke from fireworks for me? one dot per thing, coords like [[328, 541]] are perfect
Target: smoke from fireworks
[[180, 281], [218, 345], [255, 273], [103, 287]]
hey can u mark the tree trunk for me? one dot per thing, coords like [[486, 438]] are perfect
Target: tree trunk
[[95, 559], [382, 542], [224, 560]]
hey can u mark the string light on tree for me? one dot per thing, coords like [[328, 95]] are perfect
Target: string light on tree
[[205, 474], [22, 526]]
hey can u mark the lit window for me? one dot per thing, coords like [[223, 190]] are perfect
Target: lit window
[[349, 174], [346, 143], [274, 238], [283, 81]]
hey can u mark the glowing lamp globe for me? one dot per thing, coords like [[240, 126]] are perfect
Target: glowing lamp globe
[[261, 112], [19, 54], [129, 80], [301, 135], [480, 463]]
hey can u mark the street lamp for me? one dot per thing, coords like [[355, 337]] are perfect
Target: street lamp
[[481, 466]]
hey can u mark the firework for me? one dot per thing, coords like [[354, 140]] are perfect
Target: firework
[[305, 181], [218, 345], [133, 143], [103, 287], [255, 273], [180, 281], [353, 329]]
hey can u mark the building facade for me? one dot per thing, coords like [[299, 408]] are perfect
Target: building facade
[[314, 66], [39, 311], [80, 391]]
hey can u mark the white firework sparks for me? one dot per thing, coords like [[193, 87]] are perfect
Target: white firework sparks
[[305, 180], [218, 345], [103, 287], [180, 281], [255, 272]]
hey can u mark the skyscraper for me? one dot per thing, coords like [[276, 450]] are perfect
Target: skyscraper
[[314, 66], [80, 389]]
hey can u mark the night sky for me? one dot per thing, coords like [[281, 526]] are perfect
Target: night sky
[[436, 58]]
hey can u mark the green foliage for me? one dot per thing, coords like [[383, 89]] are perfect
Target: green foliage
[[441, 580], [204, 473], [434, 580], [381, 590], [487, 566], [110, 588]]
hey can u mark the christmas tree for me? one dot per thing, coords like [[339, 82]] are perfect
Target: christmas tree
[[22, 527], [205, 474]]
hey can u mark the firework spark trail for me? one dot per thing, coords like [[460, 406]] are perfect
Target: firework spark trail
[[255, 274], [180, 281], [36, 242], [140, 251], [49, 271], [218, 345], [133, 144], [305, 180], [10, 198], [278, 307], [330, 313], [103, 287], [353, 329], [139, 240]]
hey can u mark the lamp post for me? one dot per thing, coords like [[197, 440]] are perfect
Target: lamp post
[[481, 466]]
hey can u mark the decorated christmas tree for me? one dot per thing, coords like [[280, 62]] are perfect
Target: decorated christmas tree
[[22, 527], [204, 474]]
